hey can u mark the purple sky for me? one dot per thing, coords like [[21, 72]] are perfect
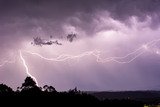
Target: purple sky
[[115, 28]]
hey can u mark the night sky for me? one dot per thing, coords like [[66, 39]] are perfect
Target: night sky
[[117, 45]]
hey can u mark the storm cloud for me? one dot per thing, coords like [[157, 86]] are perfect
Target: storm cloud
[[114, 27]]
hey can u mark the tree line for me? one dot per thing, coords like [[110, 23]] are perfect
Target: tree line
[[30, 92]]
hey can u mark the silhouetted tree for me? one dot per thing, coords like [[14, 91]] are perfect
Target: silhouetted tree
[[28, 83], [74, 91], [29, 87], [5, 90], [49, 88]]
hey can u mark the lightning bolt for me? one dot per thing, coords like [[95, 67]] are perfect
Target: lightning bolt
[[97, 54], [7, 62], [138, 52], [134, 55], [26, 67], [64, 57]]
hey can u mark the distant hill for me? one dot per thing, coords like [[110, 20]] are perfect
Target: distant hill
[[145, 96]]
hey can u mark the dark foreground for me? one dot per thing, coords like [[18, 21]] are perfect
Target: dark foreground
[[29, 93], [147, 97]]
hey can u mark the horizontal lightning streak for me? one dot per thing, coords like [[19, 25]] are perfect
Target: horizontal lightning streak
[[138, 52], [8, 61], [93, 53], [64, 57], [142, 50], [134, 55]]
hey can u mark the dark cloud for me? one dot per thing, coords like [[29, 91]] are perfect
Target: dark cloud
[[27, 14], [61, 8]]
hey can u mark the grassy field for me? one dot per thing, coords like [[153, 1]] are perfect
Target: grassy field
[[151, 105]]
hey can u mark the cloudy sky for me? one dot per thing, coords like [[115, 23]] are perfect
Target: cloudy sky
[[117, 45]]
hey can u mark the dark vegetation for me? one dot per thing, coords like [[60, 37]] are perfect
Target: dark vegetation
[[29, 93], [147, 97]]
